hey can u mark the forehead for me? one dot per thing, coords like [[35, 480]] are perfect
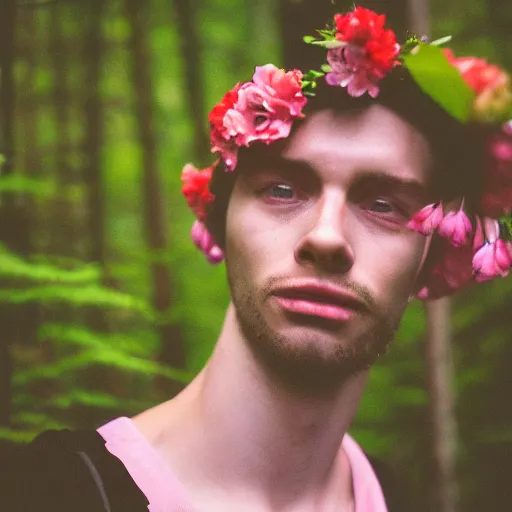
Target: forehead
[[375, 139]]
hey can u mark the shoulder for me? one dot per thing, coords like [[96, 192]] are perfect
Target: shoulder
[[65, 470]]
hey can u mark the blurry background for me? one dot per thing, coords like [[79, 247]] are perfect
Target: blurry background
[[106, 307]]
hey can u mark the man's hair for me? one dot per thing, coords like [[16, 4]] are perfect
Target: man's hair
[[456, 148]]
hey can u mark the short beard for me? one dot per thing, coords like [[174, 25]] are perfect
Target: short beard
[[304, 370]]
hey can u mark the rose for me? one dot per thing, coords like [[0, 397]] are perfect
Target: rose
[[266, 107], [263, 109]]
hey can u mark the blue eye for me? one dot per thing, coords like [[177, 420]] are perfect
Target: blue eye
[[281, 191]]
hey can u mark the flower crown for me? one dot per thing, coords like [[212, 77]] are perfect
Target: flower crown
[[360, 53]]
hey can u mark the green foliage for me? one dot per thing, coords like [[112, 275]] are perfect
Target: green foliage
[[13, 266], [440, 80], [94, 350]]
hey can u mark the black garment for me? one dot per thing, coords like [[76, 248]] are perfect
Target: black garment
[[64, 471]]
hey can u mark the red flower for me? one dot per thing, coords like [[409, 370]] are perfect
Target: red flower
[[364, 29], [196, 189], [218, 132], [477, 73]]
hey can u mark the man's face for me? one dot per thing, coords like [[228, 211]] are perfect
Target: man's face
[[319, 259]]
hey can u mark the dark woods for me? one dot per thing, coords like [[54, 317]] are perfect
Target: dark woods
[[105, 306]]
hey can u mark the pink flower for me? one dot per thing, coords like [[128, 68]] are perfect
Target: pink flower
[[267, 106], [428, 219], [348, 70], [205, 243], [263, 109], [456, 227], [282, 88], [507, 127], [491, 260], [501, 148]]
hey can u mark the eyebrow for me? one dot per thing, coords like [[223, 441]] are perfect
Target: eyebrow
[[410, 186]]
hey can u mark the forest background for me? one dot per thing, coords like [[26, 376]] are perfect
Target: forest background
[[106, 307]]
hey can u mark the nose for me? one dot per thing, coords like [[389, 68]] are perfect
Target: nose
[[325, 243]]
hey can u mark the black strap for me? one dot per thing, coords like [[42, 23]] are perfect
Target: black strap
[[97, 480]]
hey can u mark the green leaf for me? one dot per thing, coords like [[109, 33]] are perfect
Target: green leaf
[[312, 74], [308, 39], [441, 41], [330, 45], [327, 33], [326, 68], [440, 80]]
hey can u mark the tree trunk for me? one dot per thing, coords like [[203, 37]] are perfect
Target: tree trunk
[[185, 13], [92, 150], [62, 225], [94, 132], [7, 205], [439, 367], [439, 361], [172, 351]]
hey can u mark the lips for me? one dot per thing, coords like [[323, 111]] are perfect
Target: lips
[[319, 300]]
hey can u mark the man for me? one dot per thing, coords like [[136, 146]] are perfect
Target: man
[[314, 221]]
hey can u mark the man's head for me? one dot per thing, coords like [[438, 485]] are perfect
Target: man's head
[[326, 201], [330, 204]]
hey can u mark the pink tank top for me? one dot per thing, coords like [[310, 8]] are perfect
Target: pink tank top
[[165, 493]]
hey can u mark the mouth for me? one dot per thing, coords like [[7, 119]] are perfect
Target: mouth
[[320, 301]]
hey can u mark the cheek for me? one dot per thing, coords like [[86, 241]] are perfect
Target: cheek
[[393, 267], [255, 242]]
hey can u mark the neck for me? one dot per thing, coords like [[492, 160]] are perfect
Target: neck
[[235, 425]]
